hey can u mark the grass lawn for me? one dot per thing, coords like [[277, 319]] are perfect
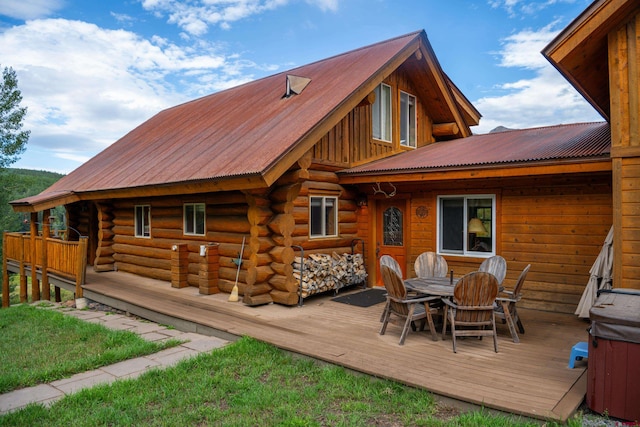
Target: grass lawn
[[246, 383], [39, 346]]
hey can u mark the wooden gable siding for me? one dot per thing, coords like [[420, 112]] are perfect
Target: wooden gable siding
[[624, 72], [351, 143], [556, 224]]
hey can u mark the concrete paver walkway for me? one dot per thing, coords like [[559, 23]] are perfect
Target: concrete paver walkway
[[48, 393]]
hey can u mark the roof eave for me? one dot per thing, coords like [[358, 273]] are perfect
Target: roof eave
[[494, 170]]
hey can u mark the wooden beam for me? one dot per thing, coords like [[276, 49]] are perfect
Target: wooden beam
[[445, 129], [479, 173]]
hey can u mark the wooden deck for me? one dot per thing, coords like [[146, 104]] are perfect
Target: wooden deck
[[530, 378]]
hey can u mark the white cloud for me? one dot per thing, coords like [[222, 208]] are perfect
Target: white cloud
[[85, 86], [196, 16], [525, 7], [29, 9], [545, 98]]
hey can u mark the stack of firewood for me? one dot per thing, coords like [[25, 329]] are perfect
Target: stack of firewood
[[323, 272]]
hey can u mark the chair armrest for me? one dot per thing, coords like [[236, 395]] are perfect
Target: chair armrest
[[448, 302], [501, 299]]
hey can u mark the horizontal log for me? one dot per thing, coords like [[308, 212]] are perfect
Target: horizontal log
[[255, 300], [293, 177], [162, 264], [235, 209], [328, 243], [259, 274], [310, 186], [282, 269], [284, 297], [285, 193], [445, 129], [233, 224], [282, 224], [257, 289], [153, 273], [283, 283], [282, 254], [230, 274], [227, 286], [143, 251]]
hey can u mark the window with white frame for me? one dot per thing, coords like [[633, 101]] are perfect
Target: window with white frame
[[194, 219], [381, 113], [466, 225], [407, 120], [143, 221], [323, 216]]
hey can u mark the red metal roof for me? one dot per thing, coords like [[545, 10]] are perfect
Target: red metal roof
[[553, 143], [233, 133]]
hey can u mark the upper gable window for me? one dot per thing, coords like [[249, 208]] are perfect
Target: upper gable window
[[407, 120], [194, 219], [143, 221], [381, 113]]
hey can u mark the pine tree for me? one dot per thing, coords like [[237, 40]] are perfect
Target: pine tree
[[13, 140]]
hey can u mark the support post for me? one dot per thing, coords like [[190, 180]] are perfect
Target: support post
[[35, 283], [5, 274], [46, 232], [81, 265], [209, 266], [179, 265]]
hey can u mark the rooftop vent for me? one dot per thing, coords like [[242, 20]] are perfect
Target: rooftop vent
[[295, 85]]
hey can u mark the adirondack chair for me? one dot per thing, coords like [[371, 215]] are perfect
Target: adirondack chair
[[472, 307], [505, 308], [391, 262], [495, 265], [405, 307], [430, 264]]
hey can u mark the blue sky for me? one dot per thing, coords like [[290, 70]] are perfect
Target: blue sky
[[91, 71]]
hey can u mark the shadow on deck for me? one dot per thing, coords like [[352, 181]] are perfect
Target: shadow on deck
[[530, 378]]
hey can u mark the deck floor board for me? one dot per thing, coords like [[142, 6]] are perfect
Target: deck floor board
[[530, 378]]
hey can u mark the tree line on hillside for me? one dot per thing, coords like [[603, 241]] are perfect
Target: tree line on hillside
[[19, 183]]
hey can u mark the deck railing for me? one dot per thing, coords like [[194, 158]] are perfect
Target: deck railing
[[58, 261]]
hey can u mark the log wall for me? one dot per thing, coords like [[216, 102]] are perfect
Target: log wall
[[556, 224]]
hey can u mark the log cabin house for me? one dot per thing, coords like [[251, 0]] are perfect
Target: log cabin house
[[372, 146]]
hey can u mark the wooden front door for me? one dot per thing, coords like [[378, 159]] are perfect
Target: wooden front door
[[391, 238]]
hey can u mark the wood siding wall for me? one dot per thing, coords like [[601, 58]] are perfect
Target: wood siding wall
[[556, 224], [351, 142], [624, 74]]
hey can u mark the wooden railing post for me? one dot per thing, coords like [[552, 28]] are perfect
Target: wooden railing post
[[46, 231], [179, 265], [35, 283], [23, 273], [5, 273], [81, 265], [209, 266]]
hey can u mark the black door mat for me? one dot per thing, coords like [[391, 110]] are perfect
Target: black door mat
[[365, 298]]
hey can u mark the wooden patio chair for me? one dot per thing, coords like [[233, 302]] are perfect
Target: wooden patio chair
[[405, 307], [495, 265], [472, 307], [391, 262], [431, 264], [505, 308]]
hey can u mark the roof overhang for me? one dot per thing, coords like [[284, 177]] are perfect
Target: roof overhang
[[45, 201], [580, 51], [524, 169]]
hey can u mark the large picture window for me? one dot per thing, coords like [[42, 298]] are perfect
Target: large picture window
[[466, 225], [381, 113], [407, 120], [323, 216], [194, 219], [143, 221]]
